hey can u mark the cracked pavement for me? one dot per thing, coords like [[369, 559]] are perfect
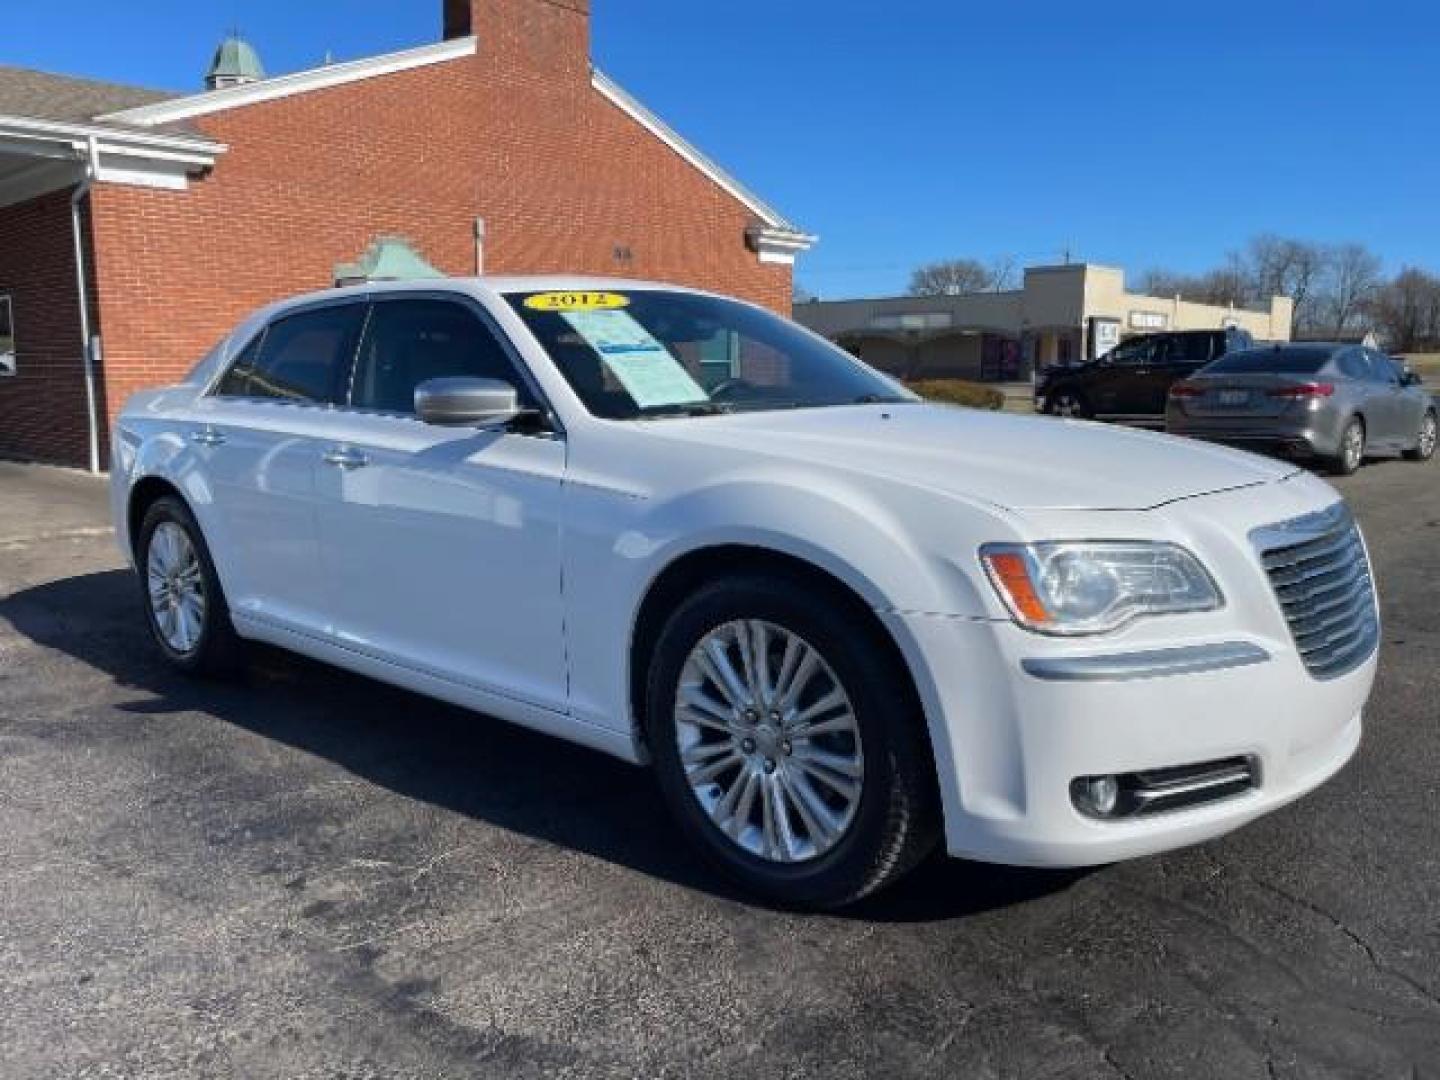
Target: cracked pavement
[[310, 875]]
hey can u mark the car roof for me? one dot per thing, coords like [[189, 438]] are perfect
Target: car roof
[[494, 284]]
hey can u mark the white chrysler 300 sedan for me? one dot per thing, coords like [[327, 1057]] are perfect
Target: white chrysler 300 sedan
[[838, 622]]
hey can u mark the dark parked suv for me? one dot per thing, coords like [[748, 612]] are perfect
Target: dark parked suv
[[1132, 381]]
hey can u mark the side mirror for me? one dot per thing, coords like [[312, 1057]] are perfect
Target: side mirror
[[467, 402], [1410, 378]]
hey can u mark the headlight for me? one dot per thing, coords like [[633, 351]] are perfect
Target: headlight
[[1094, 587]]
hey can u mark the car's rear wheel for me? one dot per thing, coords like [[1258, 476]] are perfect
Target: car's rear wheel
[[1351, 452], [1067, 403], [184, 604], [788, 742], [1424, 448]]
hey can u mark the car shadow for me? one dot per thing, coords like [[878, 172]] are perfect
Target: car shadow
[[473, 765]]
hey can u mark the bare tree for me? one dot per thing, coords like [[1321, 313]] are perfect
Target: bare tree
[[1351, 279], [1285, 267], [1004, 273], [1159, 282], [955, 277], [1229, 284], [1407, 310]]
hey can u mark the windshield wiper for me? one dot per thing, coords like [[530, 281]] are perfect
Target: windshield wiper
[[880, 399], [704, 408]]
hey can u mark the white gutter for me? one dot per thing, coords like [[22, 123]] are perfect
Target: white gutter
[[193, 149], [91, 345]]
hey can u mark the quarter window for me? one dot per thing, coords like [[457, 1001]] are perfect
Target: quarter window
[[410, 341], [303, 358]]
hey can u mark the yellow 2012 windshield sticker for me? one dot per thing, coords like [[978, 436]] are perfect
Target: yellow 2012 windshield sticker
[[577, 301]]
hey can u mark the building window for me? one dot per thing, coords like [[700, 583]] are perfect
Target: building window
[[7, 337]]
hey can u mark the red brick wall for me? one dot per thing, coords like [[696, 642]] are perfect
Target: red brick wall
[[42, 410], [516, 135]]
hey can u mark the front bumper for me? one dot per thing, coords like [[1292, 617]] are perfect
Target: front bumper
[[1021, 741], [1016, 717]]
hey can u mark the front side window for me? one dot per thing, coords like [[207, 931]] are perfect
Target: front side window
[[7, 337], [303, 358], [408, 342], [1383, 367], [1133, 353], [649, 353]]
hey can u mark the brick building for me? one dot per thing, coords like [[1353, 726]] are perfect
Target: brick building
[[499, 146]]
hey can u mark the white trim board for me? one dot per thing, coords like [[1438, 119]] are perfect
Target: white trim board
[[687, 150], [301, 82]]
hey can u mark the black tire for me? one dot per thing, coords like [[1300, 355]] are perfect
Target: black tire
[[1424, 449], [1346, 461], [895, 816], [218, 650], [1067, 403]]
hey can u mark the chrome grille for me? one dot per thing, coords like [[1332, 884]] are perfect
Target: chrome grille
[[1321, 576]]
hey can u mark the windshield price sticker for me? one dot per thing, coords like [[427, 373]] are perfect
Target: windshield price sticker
[[646, 369], [576, 301]]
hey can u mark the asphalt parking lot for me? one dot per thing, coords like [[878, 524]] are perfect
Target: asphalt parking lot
[[313, 875]]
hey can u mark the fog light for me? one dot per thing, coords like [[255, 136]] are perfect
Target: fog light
[[1096, 795]]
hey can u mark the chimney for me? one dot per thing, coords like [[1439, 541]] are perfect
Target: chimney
[[547, 37]]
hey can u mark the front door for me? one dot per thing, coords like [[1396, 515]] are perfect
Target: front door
[[441, 546], [1117, 387], [255, 441]]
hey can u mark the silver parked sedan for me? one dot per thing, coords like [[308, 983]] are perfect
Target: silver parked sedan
[[1334, 404]]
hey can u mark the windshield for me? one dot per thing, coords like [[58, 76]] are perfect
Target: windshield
[[1271, 361], [642, 354]]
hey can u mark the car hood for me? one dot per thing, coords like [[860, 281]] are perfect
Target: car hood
[[1018, 462]]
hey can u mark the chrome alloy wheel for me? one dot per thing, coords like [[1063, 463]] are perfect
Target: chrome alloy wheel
[[176, 587], [1353, 450], [1426, 445], [1066, 405], [769, 741]]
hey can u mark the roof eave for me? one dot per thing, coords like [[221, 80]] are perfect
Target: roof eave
[[772, 219]]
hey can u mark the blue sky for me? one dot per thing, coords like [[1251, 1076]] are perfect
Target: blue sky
[[1138, 135]]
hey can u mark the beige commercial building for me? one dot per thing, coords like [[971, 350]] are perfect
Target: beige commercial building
[[1063, 314]]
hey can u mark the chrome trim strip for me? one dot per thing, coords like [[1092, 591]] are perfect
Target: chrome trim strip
[[1152, 664]]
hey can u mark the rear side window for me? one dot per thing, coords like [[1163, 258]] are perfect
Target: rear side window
[[1354, 365], [304, 358], [1281, 361], [1189, 349], [410, 341]]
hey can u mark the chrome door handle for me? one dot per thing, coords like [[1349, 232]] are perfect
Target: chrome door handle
[[346, 459], [207, 437]]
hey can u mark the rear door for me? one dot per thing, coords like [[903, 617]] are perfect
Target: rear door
[[441, 545], [1176, 357], [256, 437]]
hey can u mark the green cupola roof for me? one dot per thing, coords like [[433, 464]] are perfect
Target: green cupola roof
[[389, 258], [236, 63]]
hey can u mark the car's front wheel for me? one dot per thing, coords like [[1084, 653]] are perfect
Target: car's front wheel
[[183, 602], [1424, 448], [1067, 403], [788, 742]]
